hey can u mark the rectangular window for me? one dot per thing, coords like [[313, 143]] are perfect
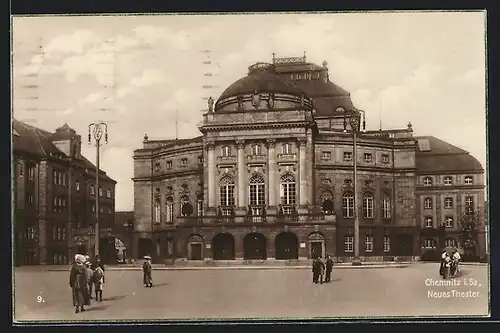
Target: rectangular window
[[385, 158], [184, 162], [199, 207], [30, 233], [326, 156], [368, 244], [386, 207], [448, 203], [100, 191], [77, 185], [428, 222], [288, 194], [429, 243], [170, 211], [31, 173], [287, 148], [347, 156], [368, 157], [428, 203], [108, 193], [348, 206], [387, 244], [169, 164], [468, 180], [368, 206], [227, 195], [257, 194], [348, 244], [448, 222]]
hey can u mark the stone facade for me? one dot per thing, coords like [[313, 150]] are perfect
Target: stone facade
[[272, 177], [54, 208]]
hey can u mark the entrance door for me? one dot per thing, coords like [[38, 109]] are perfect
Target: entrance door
[[316, 249], [286, 246], [196, 251], [254, 247]]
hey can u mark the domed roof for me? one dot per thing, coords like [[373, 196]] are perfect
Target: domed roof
[[262, 79]]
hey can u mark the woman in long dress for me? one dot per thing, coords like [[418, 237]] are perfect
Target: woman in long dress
[[78, 284]]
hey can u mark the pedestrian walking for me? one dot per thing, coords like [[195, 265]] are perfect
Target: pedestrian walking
[[98, 278], [147, 270], [89, 276], [317, 266], [328, 269], [78, 284]]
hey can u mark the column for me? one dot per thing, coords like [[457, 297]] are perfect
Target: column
[[211, 174], [240, 144], [302, 171], [271, 164]]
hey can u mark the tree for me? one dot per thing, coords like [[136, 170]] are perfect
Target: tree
[[468, 227]]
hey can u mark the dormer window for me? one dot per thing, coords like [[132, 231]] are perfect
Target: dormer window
[[427, 181], [468, 180], [448, 180], [226, 151]]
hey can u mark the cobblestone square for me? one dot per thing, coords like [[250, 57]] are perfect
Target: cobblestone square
[[256, 293]]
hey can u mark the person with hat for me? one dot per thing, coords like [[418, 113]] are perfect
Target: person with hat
[[147, 269], [329, 268], [89, 274], [78, 284]]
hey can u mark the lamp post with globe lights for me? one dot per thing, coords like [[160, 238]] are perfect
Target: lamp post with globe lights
[[97, 130], [353, 118]]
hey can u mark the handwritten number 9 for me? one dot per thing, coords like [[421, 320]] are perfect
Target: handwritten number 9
[[39, 299]]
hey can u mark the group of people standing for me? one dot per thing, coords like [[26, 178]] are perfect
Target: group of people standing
[[322, 270], [449, 263], [84, 278]]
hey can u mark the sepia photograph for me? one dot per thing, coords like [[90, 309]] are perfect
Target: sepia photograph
[[249, 166]]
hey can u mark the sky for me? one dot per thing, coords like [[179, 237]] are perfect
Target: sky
[[141, 73]]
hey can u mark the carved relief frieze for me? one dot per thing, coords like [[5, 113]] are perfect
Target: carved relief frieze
[[256, 168], [184, 189], [368, 186], [240, 143], [256, 99], [288, 167], [226, 170], [302, 141], [347, 185], [210, 144]]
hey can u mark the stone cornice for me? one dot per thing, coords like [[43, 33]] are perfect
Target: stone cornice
[[254, 126], [170, 151], [363, 143], [450, 172], [424, 189], [362, 168], [154, 178]]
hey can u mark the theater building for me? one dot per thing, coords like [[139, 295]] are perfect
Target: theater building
[[53, 197], [271, 177]]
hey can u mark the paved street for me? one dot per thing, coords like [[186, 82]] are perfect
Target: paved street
[[233, 293]]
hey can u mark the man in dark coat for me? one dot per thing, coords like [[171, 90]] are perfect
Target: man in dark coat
[[147, 270], [78, 284], [329, 267], [317, 267]]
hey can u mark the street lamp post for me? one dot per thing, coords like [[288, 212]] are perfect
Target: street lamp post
[[97, 130], [354, 117]]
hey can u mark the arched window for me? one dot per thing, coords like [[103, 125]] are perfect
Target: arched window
[[348, 205], [368, 205], [170, 209], [386, 206], [468, 180], [288, 193], [257, 190], [226, 187], [186, 207], [327, 202], [286, 148], [226, 151], [256, 150]]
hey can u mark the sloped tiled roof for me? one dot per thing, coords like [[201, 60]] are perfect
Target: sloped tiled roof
[[443, 156], [36, 141]]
